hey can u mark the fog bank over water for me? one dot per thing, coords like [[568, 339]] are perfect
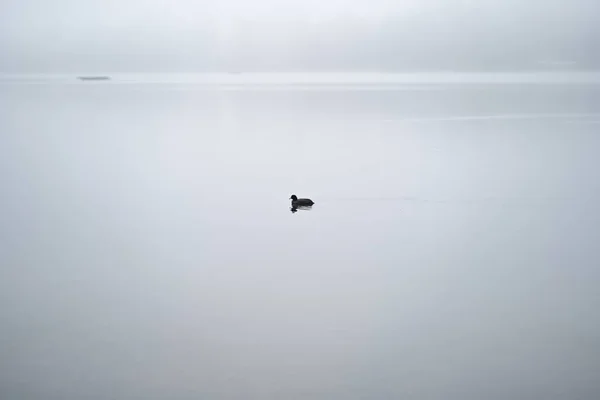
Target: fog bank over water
[[270, 35]]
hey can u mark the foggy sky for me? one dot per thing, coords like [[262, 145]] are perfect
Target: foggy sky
[[275, 35]]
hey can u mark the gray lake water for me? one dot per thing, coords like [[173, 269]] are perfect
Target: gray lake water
[[148, 251]]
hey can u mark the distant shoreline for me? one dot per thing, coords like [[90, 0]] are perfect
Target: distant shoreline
[[314, 79], [93, 78]]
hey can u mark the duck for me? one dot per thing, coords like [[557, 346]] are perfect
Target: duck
[[296, 202]]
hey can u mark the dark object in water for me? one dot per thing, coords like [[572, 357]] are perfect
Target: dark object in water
[[296, 209], [296, 202], [94, 78]]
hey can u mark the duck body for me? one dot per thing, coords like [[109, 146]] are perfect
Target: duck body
[[296, 202]]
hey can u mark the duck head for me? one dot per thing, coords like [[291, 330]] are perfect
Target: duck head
[[293, 198]]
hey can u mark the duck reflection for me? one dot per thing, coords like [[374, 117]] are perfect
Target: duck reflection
[[295, 209]]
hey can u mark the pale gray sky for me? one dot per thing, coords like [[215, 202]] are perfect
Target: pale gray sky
[[185, 35]]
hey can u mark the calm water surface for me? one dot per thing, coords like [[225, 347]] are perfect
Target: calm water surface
[[148, 251]]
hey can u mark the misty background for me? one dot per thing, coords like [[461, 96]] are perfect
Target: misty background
[[148, 251], [276, 35]]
